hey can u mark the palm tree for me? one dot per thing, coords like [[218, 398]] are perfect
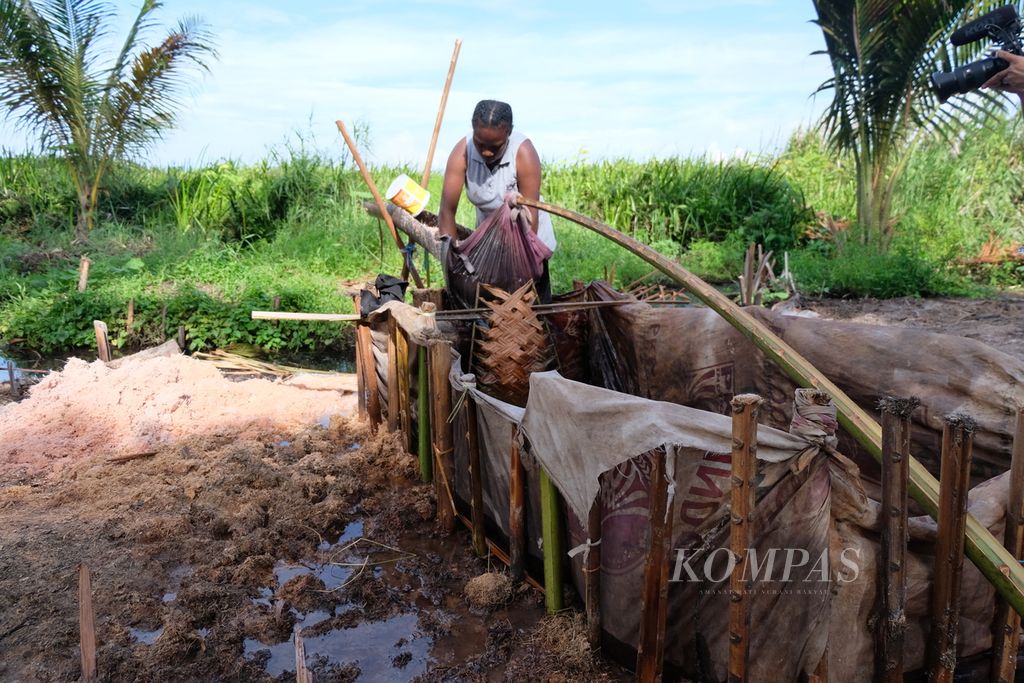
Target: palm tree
[[883, 53], [53, 84]]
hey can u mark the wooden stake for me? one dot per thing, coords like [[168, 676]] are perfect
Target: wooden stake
[[1006, 632], [83, 273], [516, 512], [475, 478], [441, 399], [957, 437], [102, 342], [380, 202], [394, 400], [86, 625], [999, 567], [551, 532], [440, 113], [364, 343], [423, 411], [744, 471], [592, 573], [362, 370], [182, 340], [12, 380], [892, 621], [129, 321], [404, 393], [302, 672], [650, 654]]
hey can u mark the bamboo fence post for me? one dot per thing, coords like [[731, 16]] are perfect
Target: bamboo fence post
[[380, 202], [83, 273], [361, 368], [441, 400], [650, 655], [404, 393], [1006, 635], [393, 392], [423, 421], [957, 437], [516, 512], [592, 573], [102, 341], [998, 566], [745, 408], [551, 532], [364, 341], [86, 625], [475, 478], [892, 622]]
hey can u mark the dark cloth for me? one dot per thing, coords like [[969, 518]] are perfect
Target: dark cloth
[[389, 288]]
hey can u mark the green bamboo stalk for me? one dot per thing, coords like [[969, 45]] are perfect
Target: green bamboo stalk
[[549, 522], [423, 428], [992, 559]]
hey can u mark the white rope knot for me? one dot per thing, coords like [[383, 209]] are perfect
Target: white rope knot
[[584, 547]]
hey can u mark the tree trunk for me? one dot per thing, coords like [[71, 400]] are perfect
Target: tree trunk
[[84, 219]]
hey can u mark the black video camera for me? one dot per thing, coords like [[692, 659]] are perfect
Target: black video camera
[[1002, 26]]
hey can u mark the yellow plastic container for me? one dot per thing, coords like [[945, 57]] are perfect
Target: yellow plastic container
[[408, 194]]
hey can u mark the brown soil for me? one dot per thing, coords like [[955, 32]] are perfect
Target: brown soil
[[247, 514]]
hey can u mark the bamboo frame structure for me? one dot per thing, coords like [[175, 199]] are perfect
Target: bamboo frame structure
[[476, 482], [997, 565], [441, 404], [957, 437], [650, 652], [551, 532], [516, 512], [1006, 635], [892, 622], [745, 408]]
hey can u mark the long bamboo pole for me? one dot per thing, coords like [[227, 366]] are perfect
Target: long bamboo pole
[[744, 472], [551, 532], [516, 512], [440, 112], [441, 400], [377, 198], [893, 557], [650, 653], [957, 436], [1006, 634], [1000, 568]]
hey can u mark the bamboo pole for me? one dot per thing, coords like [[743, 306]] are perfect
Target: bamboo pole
[[377, 198], [364, 344], [86, 625], [423, 421], [592, 573], [650, 655], [441, 404], [102, 341], [745, 408], [404, 393], [516, 512], [1000, 568], [957, 436], [83, 273], [393, 391], [440, 112], [892, 623], [297, 315], [1006, 635], [551, 532], [476, 482], [129, 321]]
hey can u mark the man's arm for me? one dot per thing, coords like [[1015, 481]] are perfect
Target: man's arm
[[454, 179], [528, 176]]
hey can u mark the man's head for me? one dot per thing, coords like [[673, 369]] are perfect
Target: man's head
[[492, 124]]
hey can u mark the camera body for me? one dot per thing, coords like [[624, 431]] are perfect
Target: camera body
[[1002, 26]]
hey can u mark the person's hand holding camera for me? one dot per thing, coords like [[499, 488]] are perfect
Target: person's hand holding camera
[[1010, 79]]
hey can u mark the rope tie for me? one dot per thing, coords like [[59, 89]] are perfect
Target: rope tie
[[584, 548], [466, 382], [814, 418]]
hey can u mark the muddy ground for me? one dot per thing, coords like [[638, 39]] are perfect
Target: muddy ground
[[207, 552]]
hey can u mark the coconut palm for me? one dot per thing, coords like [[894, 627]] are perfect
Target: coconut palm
[[883, 53], [54, 82]]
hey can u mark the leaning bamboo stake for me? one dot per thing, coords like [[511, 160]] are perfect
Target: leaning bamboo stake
[[440, 112], [551, 533], [364, 342], [744, 472], [892, 623], [102, 341], [476, 481], [1000, 568], [441, 404], [377, 198], [516, 512], [650, 654], [592, 573], [423, 421], [86, 625], [957, 436], [393, 393], [1006, 634]]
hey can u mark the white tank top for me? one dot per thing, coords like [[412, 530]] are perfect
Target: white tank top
[[486, 188]]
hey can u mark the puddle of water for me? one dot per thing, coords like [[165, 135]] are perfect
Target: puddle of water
[[169, 597], [352, 531], [146, 637], [286, 571]]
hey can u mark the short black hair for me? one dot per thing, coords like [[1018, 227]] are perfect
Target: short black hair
[[492, 114]]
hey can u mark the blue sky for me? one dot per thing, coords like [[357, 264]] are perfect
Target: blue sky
[[636, 79]]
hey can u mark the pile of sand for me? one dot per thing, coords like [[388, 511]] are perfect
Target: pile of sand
[[144, 404]]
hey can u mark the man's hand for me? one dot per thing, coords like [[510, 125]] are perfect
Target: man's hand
[[1010, 79]]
